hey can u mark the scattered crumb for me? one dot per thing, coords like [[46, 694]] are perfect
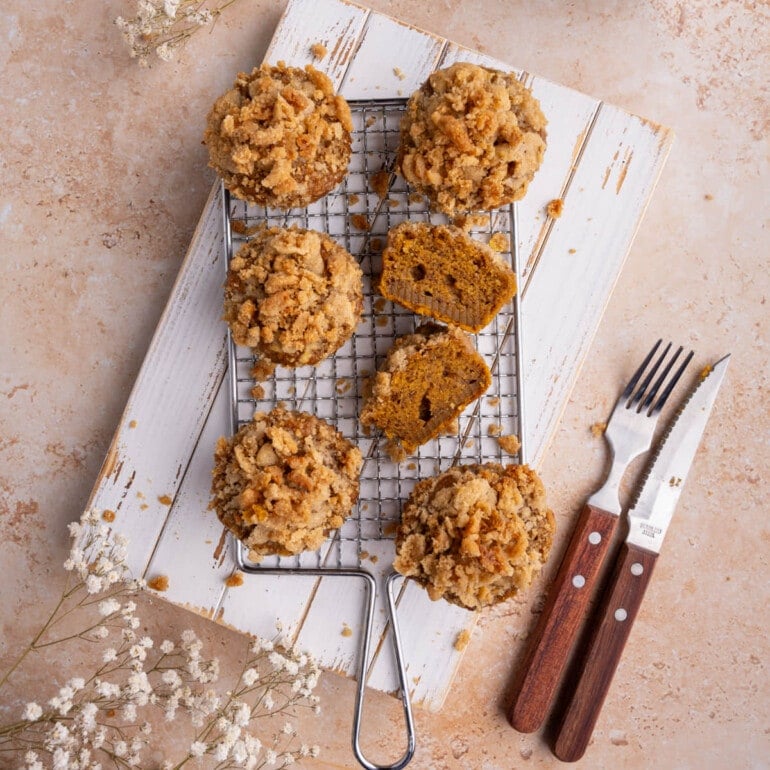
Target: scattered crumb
[[370, 121], [493, 400], [143, 507], [140, 495], [705, 372], [572, 251], [382, 320], [708, 197], [390, 529], [461, 642], [258, 392], [453, 428], [394, 449], [598, 429], [374, 558], [132, 424], [412, 466], [343, 386], [359, 221], [415, 197], [346, 630], [509, 444], [675, 481], [108, 515], [525, 752], [376, 244], [158, 583], [380, 182], [499, 242], [240, 227], [379, 304], [353, 198], [555, 208], [364, 554], [292, 390], [399, 73], [318, 50], [470, 443], [494, 430], [365, 507], [416, 679], [468, 221], [165, 500], [235, 580], [262, 370], [618, 738], [394, 204]]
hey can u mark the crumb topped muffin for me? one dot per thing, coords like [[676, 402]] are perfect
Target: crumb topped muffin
[[284, 481], [471, 138], [293, 295], [475, 535], [280, 137]]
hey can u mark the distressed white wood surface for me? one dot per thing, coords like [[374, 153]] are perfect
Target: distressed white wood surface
[[603, 162]]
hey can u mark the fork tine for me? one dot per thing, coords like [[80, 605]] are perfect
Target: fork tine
[[638, 373], [640, 391], [672, 383], [653, 392]]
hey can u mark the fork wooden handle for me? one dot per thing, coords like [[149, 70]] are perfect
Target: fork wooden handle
[[602, 654], [561, 619]]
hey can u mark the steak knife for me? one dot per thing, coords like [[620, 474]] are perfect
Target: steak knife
[[648, 521]]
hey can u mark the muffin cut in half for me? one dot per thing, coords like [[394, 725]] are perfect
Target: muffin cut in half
[[280, 137], [440, 271], [426, 381], [475, 535], [284, 481]]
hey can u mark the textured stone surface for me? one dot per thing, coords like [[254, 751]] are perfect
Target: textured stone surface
[[102, 179]]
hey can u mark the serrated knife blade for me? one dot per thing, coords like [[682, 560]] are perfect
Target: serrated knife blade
[[651, 514]]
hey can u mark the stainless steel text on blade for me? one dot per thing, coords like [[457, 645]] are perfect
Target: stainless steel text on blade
[[649, 518]]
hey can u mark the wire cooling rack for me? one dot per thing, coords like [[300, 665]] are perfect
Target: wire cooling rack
[[358, 215]]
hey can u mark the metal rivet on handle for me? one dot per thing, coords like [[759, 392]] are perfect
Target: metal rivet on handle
[[578, 581], [620, 614], [637, 569], [595, 538]]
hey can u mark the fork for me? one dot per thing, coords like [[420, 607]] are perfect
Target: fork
[[629, 434]]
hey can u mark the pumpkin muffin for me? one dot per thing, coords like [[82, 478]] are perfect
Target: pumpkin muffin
[[471, 138], [426, 381], [294, 296], [475, 535], [440, 271], [284, 481], [280, 137]]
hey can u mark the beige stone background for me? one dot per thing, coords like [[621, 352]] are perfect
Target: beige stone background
[[102, 180]]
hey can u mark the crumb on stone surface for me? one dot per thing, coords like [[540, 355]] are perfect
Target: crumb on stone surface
[[158, 583], [318, 50], [555, 208], [572, 251], [165, 500], [598, 428], [705, 372], [462, 639]]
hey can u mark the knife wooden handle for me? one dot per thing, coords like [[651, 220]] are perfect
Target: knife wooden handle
[[602, 653], [560, 622]]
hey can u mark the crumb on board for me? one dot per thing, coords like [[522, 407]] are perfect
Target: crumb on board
[[318, 50], [705, 372], [370, 121], [598, 428], [509, 443], [258, 392], [108, 515], [462, 639], [158, 583], [555, 208], [376, 244], [235, 580], [359, 221], [572, 251], [346, 630], [165, 500], [399, 73], [132, 424], [262, 370], [380, 182], [140, 495], [499, 242], [494, 430], [143, 507], [353, 198]]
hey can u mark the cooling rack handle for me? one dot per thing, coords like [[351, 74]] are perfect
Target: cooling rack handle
[[371, 592]]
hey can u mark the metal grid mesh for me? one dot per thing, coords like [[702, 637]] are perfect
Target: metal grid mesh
[[356, 217]]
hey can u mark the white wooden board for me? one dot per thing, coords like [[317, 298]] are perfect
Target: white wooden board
[[601, 161]]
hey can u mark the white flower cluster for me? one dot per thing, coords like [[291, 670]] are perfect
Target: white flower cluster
[[161, 27], [95, 721]]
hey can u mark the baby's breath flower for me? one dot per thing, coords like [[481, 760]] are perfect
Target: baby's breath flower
[[166, 646], [32, 712], [197, 749], [250, 677], [109, 607]]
